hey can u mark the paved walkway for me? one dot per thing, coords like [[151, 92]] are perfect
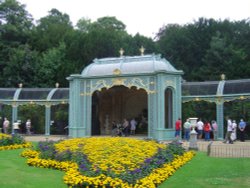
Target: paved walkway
[[37, 138], [219, 149], [213, 148]]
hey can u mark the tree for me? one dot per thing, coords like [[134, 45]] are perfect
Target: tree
[[207, 48], [15, 27], [84, 25], [15, 23], [109, 23], [52, 67], [51, 30], [174, 43], [21, 67]]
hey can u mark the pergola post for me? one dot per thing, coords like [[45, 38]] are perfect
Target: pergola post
[[47, 119], [220, 119], [14, 116]]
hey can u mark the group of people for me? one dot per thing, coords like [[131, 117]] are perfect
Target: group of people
[[125, 129], [16, 126], [231, 134], [209, 130], [202, 128]]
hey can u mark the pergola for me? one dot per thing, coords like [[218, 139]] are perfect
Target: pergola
[[217, 92], [47, 97]]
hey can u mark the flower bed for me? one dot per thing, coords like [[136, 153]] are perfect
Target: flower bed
[[9, 142], [110, 162]]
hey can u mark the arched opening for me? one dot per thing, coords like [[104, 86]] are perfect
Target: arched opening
[[33, 112], [203, 110], [168, 108], [59, 119], [115, 104], [236, 110]]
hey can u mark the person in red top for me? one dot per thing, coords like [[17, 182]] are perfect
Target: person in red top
[[207, 129], [178, 128]]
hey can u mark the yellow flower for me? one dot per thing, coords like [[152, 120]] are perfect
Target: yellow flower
[[117, 154]]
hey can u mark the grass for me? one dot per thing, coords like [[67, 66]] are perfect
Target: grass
[[200, 172], [208, 172]]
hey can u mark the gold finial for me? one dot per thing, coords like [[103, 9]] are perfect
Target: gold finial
[[116, 72], [20, 85], [121, 52], [223, 76], [142, 50]]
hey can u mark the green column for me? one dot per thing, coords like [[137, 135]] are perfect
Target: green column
[[160, 103], [220, 119], [152, 112], [47, 119], [88, 113], [76, 114], [14, 116], [151, 115]]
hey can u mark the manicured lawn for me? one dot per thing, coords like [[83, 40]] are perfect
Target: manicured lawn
[[14, 172], [200, 172], [208, 172]]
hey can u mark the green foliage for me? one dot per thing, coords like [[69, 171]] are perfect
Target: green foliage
[[109, 23], [51, 31], [46, 149], [15, 139], [175, 148], [84, 25], [36, 114], [207, 48], [199, 109], [203, 49], [24, 61]]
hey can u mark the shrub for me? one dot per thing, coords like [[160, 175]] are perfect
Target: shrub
[[11, 140], [175, 148], [46, 149]]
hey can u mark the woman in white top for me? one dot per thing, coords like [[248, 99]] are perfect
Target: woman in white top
[[234, 128], [16, 127], [6, 124]]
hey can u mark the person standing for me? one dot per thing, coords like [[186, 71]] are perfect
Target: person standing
[[28, 126], [125, 126], [178, 128], [16, 127], [200, 127], [187, 127], [242, 126], [207, 129], [234, 128], [133, 124], [229, 132], [6, 125]]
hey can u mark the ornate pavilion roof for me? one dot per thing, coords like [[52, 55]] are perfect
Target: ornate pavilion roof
[[127, 65]]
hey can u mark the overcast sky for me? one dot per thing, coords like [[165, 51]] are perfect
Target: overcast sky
[[143, 16]]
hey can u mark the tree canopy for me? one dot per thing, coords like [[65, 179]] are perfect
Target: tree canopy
[[41, 53]]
